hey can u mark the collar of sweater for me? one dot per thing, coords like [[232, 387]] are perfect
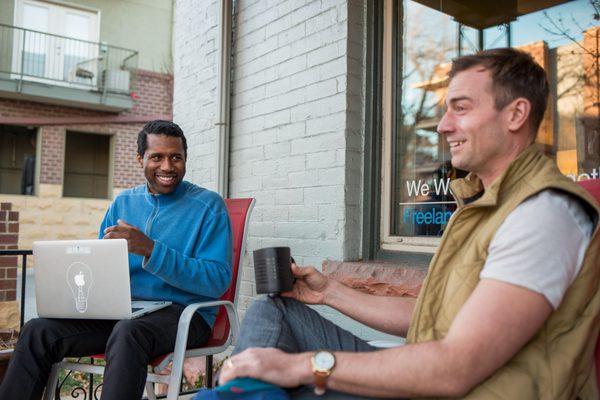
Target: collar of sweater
[[164, 199]]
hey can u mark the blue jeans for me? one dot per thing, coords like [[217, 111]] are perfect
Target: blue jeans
[[293, 327]]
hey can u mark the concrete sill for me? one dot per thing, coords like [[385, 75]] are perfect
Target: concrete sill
[[378, 278]]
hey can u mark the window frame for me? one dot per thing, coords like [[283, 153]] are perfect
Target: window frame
[[382, 92], [373, 247]]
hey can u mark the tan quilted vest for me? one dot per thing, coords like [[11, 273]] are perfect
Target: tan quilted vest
[[557, 362]]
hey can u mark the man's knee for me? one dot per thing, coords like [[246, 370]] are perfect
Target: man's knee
[[269, 307], [127, 329], [39, 337], [128, 338], [289, 305], [266, 305], [31, 329], [40, 329]]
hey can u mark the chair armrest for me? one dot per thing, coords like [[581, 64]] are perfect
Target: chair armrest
[[187, 314], [183, 328]]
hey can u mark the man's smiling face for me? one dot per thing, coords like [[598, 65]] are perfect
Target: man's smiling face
[[163, 163], [475, 130]]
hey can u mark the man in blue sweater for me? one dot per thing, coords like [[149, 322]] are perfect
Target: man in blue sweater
[[179, 240]]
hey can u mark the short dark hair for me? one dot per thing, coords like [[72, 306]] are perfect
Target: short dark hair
[[159, 127], [514, 74]]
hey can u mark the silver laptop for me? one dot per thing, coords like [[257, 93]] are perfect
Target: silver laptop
[[86, 279]]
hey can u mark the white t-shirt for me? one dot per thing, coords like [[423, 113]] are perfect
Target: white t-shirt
[[541, 245]]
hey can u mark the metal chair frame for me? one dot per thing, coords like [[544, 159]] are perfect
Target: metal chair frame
[[179, 353]]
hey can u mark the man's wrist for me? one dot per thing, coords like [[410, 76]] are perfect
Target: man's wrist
[[150, 249], [331, 293], [304, 368]]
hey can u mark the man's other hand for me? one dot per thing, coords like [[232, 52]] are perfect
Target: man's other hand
[[310, 286], [137, 242], [270, 365]]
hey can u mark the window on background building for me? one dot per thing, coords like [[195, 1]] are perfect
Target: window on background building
[[17, 160], [419, 43], [86, 165], [58, 43]]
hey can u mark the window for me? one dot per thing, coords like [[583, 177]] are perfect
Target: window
[[86, 165], [419, 42], [58, 44], [17, 160]]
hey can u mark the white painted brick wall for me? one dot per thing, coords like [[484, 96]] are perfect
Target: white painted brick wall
[[195, 56], [296, 120]]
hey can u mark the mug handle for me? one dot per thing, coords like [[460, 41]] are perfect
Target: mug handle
[[293, 262]]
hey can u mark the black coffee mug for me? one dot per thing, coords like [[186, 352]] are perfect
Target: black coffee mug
[[273, 270]]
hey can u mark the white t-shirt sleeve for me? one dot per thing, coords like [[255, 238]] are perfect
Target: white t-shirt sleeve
[[541, 245]]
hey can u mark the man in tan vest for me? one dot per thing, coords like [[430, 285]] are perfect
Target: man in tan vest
[[510, 305]]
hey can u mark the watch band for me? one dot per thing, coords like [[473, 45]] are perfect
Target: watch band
[[322, 363], [320, 382]]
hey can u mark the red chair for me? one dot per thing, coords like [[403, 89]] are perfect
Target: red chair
[[225, 330], [593, 186]]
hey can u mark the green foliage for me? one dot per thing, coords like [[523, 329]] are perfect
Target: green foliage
[[74, 382]]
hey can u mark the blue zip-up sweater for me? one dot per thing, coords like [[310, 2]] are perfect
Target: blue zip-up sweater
[[191, 260]]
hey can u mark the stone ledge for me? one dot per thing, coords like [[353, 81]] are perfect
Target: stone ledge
[[378, 278]]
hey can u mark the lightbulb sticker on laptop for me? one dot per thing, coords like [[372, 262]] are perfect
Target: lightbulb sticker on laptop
[[79, 279]]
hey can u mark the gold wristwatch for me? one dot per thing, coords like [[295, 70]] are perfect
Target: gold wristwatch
[[322, 365]]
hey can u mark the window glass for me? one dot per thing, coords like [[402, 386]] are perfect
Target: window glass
[[422, 204], [86, 165], [57, 43], [563, 39]]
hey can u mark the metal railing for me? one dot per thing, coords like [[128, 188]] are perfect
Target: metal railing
[[31, 55], [23, 254]]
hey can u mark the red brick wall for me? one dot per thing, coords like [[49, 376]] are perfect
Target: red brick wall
[[127, 173], [9, 237], [591, 99], [53, 148], [539, 52], [152, 95]]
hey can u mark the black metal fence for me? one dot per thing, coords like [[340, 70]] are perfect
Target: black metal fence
[[31, 55]]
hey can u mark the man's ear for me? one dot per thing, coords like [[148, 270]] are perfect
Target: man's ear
[[140, 160], [518, 114]]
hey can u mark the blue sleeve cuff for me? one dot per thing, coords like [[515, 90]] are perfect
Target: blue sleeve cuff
[[150, 264]]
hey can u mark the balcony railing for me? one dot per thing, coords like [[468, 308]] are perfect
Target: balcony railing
[[30, 55]]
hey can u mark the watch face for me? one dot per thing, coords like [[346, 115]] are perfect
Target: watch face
[[324, 360]]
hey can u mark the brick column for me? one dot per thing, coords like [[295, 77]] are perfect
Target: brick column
[[9, 237], [545, 135], [53, 149], [590, 159]]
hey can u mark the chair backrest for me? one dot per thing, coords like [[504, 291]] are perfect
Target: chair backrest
[[593, 186], [239, 211]]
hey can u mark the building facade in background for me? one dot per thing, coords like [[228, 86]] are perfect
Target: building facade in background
[[334, 106], [78, 79]]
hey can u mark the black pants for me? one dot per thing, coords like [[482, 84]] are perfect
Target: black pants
[[128, 345]]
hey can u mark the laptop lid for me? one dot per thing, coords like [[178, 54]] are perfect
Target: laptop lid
[[84, 279]]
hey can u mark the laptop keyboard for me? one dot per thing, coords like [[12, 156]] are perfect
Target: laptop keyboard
[[134, 309]]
